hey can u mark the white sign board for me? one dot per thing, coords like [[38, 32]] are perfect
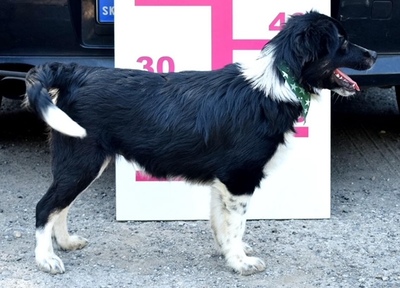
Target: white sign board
[[176, 35]]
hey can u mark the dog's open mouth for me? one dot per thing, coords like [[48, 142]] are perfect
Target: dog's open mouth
[[345, 81]]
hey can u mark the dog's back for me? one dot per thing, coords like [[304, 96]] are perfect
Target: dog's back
[[178, 124]]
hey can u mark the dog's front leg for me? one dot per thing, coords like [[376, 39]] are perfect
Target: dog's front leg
[[228, 222]]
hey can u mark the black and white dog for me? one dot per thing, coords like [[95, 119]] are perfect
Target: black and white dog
[[216, 127]]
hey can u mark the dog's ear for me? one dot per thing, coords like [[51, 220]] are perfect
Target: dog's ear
[[315, 41]]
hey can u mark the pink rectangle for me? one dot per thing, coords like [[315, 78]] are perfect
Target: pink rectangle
[[174, 2], [301, 132], [144, 177], [243, 44]]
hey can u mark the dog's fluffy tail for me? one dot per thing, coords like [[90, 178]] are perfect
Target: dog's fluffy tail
[[39, 81]]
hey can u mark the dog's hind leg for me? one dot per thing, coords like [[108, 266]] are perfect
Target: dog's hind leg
[[228, 223], [63, 239], [71, 177]]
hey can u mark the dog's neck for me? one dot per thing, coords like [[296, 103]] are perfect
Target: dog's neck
[[302, 94]]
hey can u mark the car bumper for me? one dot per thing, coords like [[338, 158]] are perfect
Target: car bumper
[[385, 72]]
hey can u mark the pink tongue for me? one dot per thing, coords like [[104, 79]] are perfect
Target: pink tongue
[[348, 79]]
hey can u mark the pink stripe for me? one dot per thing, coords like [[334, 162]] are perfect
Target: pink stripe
[[222, 33], [249, 44], [174, 2], [301, 132], [144, 177]]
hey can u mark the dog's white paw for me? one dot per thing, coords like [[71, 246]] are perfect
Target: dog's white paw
[[245, 265], [50, 263], [73, 242]]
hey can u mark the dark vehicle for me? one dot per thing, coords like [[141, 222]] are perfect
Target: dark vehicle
[[38, 31], [374, 24]]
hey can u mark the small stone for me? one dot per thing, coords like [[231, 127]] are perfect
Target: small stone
[[17, 234], [383, 278]]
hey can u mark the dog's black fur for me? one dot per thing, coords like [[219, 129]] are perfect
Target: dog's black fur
[[217, 127]]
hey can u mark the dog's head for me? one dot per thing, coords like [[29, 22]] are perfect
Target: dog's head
[[314, 47]]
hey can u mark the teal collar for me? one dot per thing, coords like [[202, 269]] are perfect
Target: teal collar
[[302, 95]]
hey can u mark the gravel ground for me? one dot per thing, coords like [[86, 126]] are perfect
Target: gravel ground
[[357, 247]]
